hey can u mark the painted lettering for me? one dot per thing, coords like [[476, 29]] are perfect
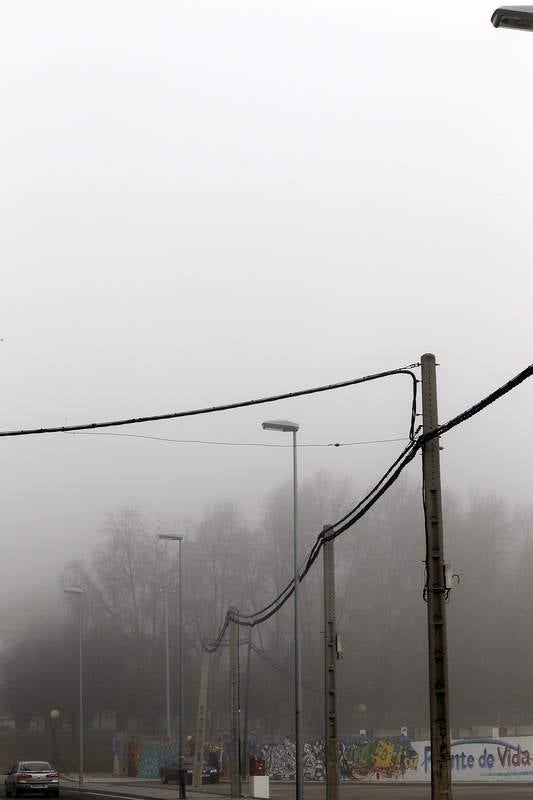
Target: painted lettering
[[503, 755]]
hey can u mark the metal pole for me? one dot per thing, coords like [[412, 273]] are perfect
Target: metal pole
[[54, 744], [330, 663], [297, 643], [80, 776], [441, 784], [167, 666], [235, 775], [180, 665]]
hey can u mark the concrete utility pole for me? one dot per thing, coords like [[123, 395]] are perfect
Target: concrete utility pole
[[235, 774], [330, 664], [200, 724], [441, 783], [244, 753], [180, 653]]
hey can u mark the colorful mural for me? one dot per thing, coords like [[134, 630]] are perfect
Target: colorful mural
[[365, 757], [152, 754], [360, 758]]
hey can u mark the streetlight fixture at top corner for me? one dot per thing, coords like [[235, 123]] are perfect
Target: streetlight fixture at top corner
[[516, 17], [73, 590], [170, 537], [284, 425]]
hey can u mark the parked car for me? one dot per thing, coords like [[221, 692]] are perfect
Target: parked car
[[32, 776], [170, 771]]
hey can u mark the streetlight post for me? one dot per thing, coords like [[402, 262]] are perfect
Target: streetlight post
[[54, 716], [292, 427], [179, 539], [517, 17], [167, 664], [79, 592]]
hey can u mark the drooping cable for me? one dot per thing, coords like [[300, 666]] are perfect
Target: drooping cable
[[384, 483], [227, 406], [286, 672], [236, 444]]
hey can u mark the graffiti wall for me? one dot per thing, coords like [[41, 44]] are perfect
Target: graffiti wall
[[152, 754], [364, 758], [146, 754], [360, 758]]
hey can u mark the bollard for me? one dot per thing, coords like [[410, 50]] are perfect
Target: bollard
[[182, 779]]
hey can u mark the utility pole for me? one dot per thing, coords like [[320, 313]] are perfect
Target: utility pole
[[234, 763], [330, 663], [441, 783], [244, 756], [180, 654], [200, 724]]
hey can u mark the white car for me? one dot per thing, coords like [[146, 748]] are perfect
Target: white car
[[32, 776]]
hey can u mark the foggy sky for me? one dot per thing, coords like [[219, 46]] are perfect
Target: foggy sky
[[206, 202]]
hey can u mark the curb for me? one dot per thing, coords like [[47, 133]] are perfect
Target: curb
[[124, 791]]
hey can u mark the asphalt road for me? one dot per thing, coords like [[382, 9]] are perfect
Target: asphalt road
[[312, 792]]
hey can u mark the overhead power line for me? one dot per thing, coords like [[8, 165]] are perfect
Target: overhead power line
[[235, 444], [228, 406], [364, 505], [286, 672]]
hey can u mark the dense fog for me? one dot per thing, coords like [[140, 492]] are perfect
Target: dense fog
[[382, 678], [210, 202]]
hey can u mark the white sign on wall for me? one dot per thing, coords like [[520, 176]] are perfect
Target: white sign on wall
[[477, 760]]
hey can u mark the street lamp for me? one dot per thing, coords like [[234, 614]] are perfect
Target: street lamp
[[167, 662], [54, 716], [518, 17], [179, 539], [79, 592], [286, 426]]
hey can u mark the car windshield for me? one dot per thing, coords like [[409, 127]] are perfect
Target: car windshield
[[35, 766]]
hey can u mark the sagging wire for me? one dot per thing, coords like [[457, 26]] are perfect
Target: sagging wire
[[416, 443], [227, 406], [236, 444]]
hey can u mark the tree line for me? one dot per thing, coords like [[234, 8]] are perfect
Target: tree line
[[227, 561]]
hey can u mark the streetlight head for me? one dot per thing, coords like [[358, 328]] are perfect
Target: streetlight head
[[518, 17], [170, 537], [280, 425], [73, 590]]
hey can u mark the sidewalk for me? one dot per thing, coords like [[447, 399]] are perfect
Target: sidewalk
[[138, 788]]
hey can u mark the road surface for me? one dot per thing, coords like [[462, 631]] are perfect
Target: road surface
[[153, 791]]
